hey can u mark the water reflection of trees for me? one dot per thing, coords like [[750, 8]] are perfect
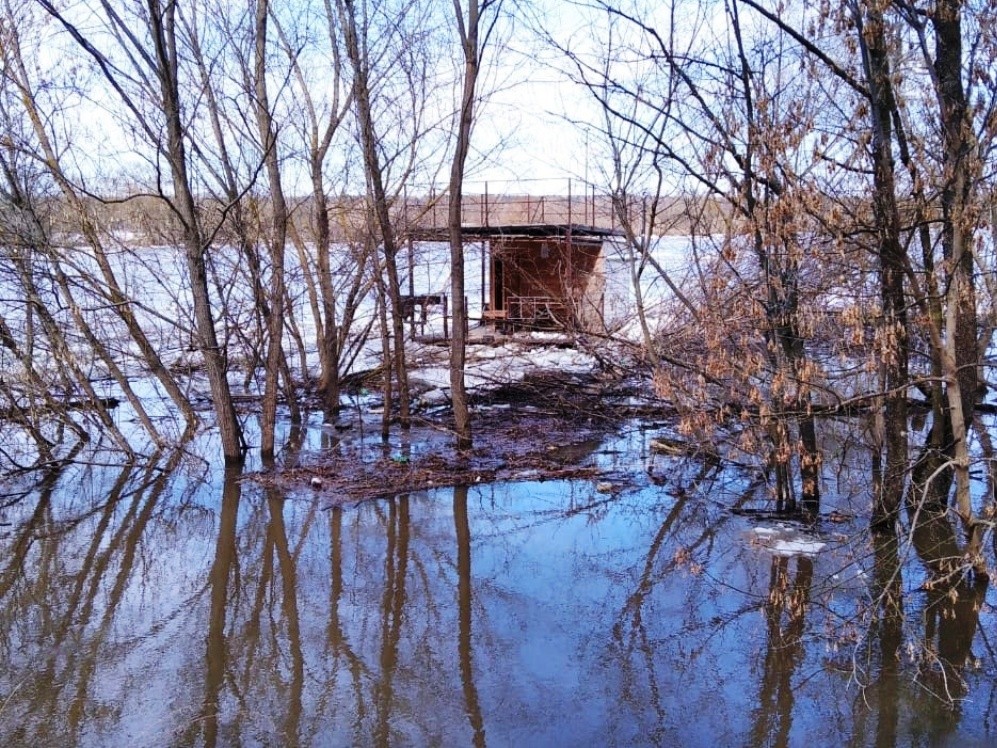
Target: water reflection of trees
[[465, 645], [678, 550], [254, 649], [785, 618], [63, 592], [914, 650], [951, 609], [377, 639], [238, 617], [393, 600], [218, 582], [257, 616], [917, 649]]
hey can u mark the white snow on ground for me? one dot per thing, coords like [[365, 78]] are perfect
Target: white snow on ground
[[492, 366]]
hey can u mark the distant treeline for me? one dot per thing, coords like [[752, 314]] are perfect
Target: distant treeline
[[149, 219]]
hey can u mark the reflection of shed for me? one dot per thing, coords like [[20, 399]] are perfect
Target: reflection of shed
[[547, 276]]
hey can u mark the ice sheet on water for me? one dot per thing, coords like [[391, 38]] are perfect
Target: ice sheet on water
[[797, 547], [785, 540]]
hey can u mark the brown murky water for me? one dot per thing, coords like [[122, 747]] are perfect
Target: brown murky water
[[168, 605]]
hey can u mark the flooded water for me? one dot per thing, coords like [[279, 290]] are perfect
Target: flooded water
[[169, 604]]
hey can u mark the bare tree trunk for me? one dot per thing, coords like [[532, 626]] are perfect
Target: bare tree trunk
[[961, 171], [162, 28], [893, 337], [375, 182], [278, 238], [386, 355], [458, 342], [318, 136], [328, 385]]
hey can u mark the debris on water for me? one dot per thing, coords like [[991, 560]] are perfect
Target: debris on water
[[674, 447], [836, 516], [530, 430], [665, 446]]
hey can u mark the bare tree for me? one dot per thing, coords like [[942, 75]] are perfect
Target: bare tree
[[358, 53], [901, 121], [79, 212], [474, 32], [790, 118], [147, 42], [279, 224], [334, 297]]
